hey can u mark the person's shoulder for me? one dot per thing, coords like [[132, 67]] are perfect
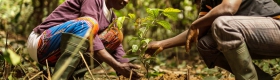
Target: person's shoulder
[[93, 2]]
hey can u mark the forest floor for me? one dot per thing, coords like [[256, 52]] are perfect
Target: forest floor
[[184, 70], [168, 70], [199, 73], [173, 66]]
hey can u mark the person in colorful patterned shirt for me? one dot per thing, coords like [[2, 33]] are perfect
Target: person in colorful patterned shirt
[[66, 31], [230, 33]]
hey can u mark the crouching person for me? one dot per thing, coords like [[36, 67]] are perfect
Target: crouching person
[[230, 38], [66, 30]]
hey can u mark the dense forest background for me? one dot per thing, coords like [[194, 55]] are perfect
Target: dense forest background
[[19, 17]]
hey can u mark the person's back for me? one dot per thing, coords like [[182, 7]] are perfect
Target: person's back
[[72, 9], [247, 7]]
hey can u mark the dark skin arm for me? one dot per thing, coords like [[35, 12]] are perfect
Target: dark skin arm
[[202, 25], [197, 29], [122, 68]]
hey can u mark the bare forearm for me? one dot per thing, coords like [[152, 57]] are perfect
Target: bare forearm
[[107, 58], [178, 40], [227, 7]]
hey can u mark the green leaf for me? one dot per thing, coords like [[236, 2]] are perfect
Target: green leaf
[[273, 62], [168, 10], [130, 56], [141, 32], [133, 38], [171, 13], [146, 41], [149, 59], [265, 66], [165, 24], [112, 73], [153, 12], [132, 16], [182, 65], [131, 61], [120, 21], [11, 77], [135, 48], [11, 57], [154, 74]]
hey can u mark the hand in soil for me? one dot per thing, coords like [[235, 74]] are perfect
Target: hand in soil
[[127, 70], [153, 49]]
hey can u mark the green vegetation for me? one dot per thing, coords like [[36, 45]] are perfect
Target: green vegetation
[[142, 27], [144, 21]]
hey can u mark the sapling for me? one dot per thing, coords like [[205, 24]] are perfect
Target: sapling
[[155, 18]]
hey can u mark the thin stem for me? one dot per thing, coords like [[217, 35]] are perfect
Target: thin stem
[[36, 75], [48, 69], [20, 65], [130, 75], [87, 65], [26, 76], [101, 67]]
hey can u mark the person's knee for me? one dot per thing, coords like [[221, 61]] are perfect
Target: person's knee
[[220, 26], [206, 46], [206, 43], [220, 21], [207, 49], [226, 33]]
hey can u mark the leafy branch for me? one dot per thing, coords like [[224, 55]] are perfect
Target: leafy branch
[[155, 17]]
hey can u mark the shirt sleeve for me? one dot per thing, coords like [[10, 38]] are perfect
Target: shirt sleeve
[[98, 45], [91, 8]]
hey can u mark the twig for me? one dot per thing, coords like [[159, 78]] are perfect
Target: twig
[[7, 69], [6, 43], [91, 48], [26, 76], [86, 65], [48, 70], [36, 75], [130, 75], [46, 77], [20, 65], [101, 67], [188, 72]]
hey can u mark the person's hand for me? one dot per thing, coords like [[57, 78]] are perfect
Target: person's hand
[[191, 37], [153, 48], [126, 69]]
